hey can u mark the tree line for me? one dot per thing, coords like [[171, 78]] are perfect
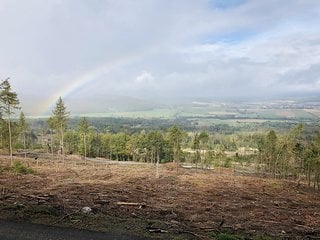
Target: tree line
[[291, 155], [286, 155]]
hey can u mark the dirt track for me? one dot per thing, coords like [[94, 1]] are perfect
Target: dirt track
[[188, 202]]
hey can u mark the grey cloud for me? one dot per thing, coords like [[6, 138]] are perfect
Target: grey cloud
[[309, 76], [180, 45]]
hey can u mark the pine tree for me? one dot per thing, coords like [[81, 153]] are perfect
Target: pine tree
[[270, 152], [23, 127], [196, 147], [203, 140], [9, 102], [52, 127], [84, 130], [175, 138], [59, 121]]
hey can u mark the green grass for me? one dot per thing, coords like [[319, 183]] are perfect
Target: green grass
[[19, 167], [262, 237], [230, 236], [284, 113], [227, 236], [149, 114]]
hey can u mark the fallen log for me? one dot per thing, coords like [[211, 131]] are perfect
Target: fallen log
[[131, 204]]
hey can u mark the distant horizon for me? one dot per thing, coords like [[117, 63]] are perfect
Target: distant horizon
[[114, 104]]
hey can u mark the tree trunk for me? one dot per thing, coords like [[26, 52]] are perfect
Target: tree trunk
[[85, 149], [309, 175], [52, 156], [24, 145], [174, 152], [10, 144], [10, 140], [202, 158], [157, 165], [62, 150]]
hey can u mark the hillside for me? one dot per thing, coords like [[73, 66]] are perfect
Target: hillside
[[180, 204]]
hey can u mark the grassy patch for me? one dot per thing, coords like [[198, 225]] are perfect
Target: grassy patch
[[4, 169], [276, 185], [262, 237], [233, 236], [12, 207], [227, 236], [19, 167]]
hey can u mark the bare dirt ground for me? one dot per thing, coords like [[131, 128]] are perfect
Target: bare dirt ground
[[180, 204]]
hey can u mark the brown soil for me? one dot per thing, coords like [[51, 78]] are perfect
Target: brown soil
[[191, 202]]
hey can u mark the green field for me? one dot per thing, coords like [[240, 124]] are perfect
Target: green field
[[149, 114], [224, 113]]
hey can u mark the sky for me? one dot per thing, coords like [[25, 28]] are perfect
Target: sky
[[82, 49]]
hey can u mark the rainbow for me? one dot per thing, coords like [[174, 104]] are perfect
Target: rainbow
[[79, 82], [67, 90]]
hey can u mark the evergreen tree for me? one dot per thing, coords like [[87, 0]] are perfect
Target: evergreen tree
[[52, 127], [9, 102], [2, 132], [23, 127], [59, 122], [203, 140], [196, 148], [155, 142], [84, 130], [312, 162], [287, 158], [270, 152], [175, 137]]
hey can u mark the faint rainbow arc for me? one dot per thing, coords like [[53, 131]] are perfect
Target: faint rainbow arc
[[64, 92], [79, 82]]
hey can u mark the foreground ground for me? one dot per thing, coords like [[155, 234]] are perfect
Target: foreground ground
[[28, 231], [180, 204]]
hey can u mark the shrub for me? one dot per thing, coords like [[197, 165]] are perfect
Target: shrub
[[226, 236], [262, 237], [19, 167], [227, 163]]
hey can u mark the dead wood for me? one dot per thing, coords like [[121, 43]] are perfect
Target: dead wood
[[131, 204]]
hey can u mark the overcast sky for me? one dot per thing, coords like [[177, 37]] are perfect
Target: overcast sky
[[160, 48]]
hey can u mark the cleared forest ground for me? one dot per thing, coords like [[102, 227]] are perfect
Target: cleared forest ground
[[180, 204]]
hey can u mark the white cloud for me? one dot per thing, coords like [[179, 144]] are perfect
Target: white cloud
[[188, 47], [145, 78]]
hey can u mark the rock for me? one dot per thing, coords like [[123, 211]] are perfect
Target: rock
[[86, 210]]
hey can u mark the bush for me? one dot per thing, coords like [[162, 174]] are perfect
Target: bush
[[19, 167], [227, 163], [4, 169], [226, 236], [262, 237]]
